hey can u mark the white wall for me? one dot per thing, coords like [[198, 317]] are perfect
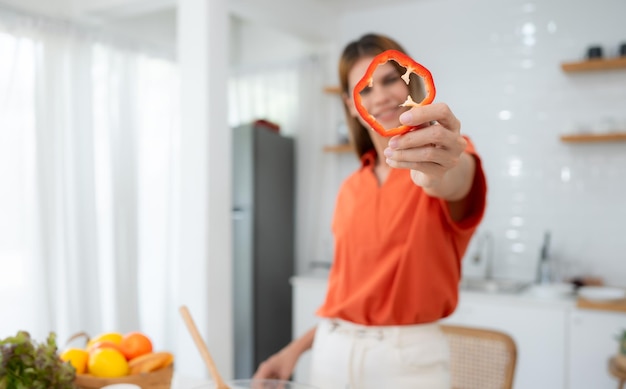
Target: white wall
[[255, 44], [52, 8], [508, 59], [250, 44], [156, 28]]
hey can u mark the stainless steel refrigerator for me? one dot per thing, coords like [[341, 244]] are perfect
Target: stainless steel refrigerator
[[263, 243]]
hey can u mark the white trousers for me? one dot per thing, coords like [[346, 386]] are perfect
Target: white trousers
[[351, 356]]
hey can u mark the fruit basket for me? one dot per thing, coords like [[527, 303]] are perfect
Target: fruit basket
[[115, 358], [159, 379]]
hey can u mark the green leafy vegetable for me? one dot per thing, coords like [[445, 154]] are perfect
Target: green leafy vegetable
[[27, 364]]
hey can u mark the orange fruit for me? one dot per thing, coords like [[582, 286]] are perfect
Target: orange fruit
[[114, 337], [77, 357], [135, 344], [107, 362], [105, 344]]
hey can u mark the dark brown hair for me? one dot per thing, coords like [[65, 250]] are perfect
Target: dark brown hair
[[369, 45]]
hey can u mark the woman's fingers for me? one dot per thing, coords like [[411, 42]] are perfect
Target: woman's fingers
[[428, 151], [432, 137], [433, 134], [436, 112], [416, 157]]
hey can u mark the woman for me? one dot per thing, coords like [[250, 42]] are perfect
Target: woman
[[402, 224]]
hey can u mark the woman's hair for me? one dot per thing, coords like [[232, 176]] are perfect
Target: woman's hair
[[370, 45]]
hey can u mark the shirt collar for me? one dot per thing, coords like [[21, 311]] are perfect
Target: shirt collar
[[369, 158]]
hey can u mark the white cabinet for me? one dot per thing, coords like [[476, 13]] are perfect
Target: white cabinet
[[591, 344], [539, 331]]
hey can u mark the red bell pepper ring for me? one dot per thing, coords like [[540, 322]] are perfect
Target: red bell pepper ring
[[367, 81]]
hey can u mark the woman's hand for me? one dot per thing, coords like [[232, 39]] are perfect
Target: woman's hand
[[433, 152], [279, 366]]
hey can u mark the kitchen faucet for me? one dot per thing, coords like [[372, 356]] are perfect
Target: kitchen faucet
[[544, 266], [485, 239]]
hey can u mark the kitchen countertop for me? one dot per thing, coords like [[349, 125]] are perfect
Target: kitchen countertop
[[525, 297], [528, 296]]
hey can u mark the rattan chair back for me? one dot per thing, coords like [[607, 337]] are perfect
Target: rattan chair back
[[480, 358]]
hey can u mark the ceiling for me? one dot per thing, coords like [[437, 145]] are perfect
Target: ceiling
[[299, 17], [313, 20]]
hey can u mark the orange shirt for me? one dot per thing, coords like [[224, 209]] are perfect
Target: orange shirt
[[397, 250]]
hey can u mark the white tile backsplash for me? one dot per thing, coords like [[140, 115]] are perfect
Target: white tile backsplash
[[500, 72]]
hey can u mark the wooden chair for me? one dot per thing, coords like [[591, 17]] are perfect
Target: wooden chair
[[480, 358]]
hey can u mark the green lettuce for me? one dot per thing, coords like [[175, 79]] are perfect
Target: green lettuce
[[27, 364]]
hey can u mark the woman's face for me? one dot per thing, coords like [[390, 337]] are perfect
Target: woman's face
[[383, 99]]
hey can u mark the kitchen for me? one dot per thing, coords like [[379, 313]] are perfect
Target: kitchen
[[501, 72]]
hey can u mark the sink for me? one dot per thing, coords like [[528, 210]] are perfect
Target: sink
[[493, 285], [554, 290]]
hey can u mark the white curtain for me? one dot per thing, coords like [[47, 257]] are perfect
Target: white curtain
[[89, 150], [88, 155], [266, 92]]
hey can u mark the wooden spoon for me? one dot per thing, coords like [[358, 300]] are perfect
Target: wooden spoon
[[204, 351]]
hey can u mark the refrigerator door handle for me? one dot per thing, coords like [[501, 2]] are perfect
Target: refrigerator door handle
[[238, 213]]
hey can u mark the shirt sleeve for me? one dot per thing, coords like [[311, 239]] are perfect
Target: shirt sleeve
[[477, 197]]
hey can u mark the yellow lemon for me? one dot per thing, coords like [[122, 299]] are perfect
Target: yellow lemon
[[77, 358], [114, 337], [107, 362]]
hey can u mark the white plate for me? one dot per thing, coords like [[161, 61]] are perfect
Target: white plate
[[601, 293]]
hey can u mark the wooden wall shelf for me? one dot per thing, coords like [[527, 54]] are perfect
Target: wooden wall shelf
[[594, 64], [333, 89], [613, 305], [594, 138], [343, 148]]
